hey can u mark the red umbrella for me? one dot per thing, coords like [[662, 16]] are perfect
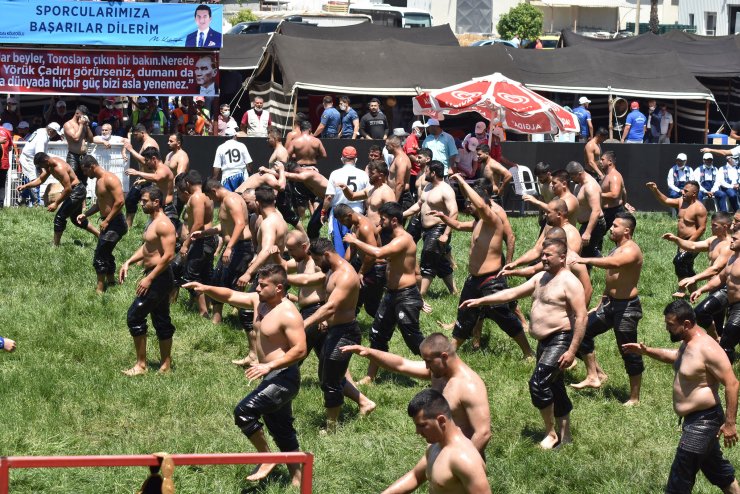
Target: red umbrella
[[499, 99]]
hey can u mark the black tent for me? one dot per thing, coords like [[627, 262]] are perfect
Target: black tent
[[242, 51], [437, 35]]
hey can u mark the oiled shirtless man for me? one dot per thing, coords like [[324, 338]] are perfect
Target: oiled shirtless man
[[592, 152], [71, 200], [493, 171], [710, 313], [338, 312], [700, 367], [558, 322], [371, 271], [376, 195], [557, 189], [589, 216], [463, 388], [161, 177], [692, 221], [402, 302], [78, 134], [620, 308], [437, 196], [271, 232], [133, 197], [238, 250], [613, 192], [306, 149], [177, 160], [275, 141], [197, 253], [280, 346], [109, 194], [450, 464], [556, 218], [399, 172], [153, 290], [485, 261], [729, 277], [310, 280], [310, 185]]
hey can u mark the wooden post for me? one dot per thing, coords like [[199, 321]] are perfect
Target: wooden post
[[611, 116], [675, 121], [706, 121]]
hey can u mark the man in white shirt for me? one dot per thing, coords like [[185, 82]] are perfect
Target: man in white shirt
[[708, 178], [678, 175], [231, 162], [666, 124], [355, 179], [256, 120], [728, 181], [36, 143]]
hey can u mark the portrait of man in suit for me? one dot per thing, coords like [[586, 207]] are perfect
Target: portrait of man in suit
[[204, 37], [206, 73]]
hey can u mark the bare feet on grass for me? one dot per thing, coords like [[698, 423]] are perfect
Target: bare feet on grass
[[631, 402], [367, 407], [136, 370], [550, 441], [446, 326], [261, 472], [365, 380], [589, 382], [426, 308]]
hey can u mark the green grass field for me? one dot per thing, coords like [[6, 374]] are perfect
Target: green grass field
[[62, 393]]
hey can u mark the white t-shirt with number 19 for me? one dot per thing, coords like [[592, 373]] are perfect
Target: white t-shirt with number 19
[[232, 158], [355, 179]]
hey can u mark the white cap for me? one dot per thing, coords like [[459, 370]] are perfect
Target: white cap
[[23, 124], [11, 100], [432, 122], [708, 156], [142, 100], [400, 132], [55, 127], [230, 131], [418, 123], [682, 157], [8, 126], [583, 100], [61, 103]]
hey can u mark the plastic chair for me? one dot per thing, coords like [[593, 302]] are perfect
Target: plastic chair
[[529, 186]]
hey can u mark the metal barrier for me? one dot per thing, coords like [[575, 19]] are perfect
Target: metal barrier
[[6, 463], [109, 158]]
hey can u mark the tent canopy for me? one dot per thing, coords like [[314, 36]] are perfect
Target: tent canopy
[[703, 56], [437, 35], [242, 51], [382, 68]]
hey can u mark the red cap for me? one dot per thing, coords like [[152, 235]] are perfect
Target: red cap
[[635, 105], [349, 152]]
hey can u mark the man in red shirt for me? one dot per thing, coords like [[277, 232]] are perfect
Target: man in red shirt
[[411, 148]]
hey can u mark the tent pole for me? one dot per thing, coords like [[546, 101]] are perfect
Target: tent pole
[[611, 115], [675, 121], [706, 121]]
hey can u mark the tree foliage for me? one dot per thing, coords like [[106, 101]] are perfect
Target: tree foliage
[[654, 22], [244, 15], [523, 20]]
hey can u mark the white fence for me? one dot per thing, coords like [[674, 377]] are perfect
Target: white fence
[[109, 158]]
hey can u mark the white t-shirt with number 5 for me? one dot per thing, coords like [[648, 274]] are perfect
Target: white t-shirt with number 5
[[232, 158], [355, 179]]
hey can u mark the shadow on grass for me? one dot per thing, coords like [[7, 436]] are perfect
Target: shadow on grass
[[618, 393], [397, 379], [533, 433]]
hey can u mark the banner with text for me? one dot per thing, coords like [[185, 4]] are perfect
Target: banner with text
[[108, 72], [67, 22]]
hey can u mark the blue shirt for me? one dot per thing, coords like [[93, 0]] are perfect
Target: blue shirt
[[330, 118], [348, 122], [583, 117], [443, 148], [636, 121]]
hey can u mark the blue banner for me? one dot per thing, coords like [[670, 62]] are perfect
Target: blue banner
[[114, 23]]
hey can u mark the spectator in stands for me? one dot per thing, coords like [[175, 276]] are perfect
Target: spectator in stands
[[709, 182], [660, 122], [480, 135], [634, 126], [441, 144], [154, 114], [6, 143], [728, 177], [178, 118], [467, 163], [678, 175], [35, 143], [256, 120], [57, 112], [350, 119], [11, 114], [205, 114], [584, 119], [194, 117], [330, 120], [21, 131], [225, 120], [37, 122], [110, 114], [138, 116], [106, 137], [373, 124]]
